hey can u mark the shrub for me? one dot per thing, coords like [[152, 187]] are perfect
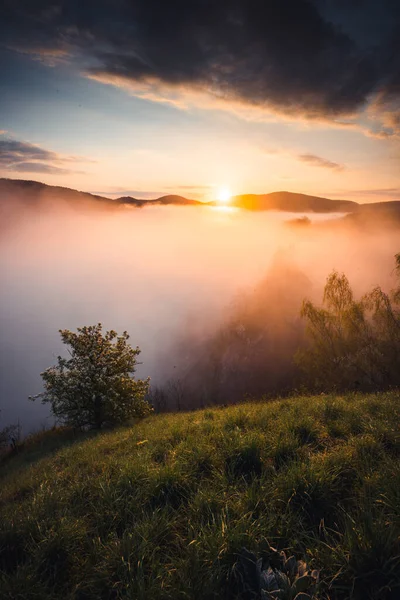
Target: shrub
[[10, 438]]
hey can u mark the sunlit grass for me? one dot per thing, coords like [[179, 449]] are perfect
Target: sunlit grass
[[162, 509]]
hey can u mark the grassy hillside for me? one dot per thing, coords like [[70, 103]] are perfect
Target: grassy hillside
[[163, 509]]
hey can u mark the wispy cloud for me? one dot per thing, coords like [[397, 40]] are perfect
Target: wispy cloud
[[191, 187], [28, 167], [305, 157], [318, 161], [51, 57], [24, 157]]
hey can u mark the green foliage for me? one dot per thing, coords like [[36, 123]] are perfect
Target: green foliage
[[352, 344], [164, 509], [95, 386]]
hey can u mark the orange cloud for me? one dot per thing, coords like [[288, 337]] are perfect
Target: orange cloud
[[183, 97]]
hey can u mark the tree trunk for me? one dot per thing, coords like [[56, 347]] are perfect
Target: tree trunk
[[98, 417]]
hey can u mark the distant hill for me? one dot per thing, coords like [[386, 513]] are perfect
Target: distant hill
[[291, 202], [381, 206], [33, 192], [171, 199], [376, 215]]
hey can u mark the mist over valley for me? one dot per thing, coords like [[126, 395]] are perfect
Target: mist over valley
[[211, 294]]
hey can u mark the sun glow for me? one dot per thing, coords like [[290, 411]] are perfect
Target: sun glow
[[224, 195]]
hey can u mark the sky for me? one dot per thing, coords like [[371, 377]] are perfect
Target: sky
[[151, 97]]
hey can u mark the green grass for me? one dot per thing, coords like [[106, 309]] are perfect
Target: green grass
[[162, 509]]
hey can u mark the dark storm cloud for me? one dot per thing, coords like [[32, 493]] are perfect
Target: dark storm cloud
[[322, 59], [318, 161], [22, 157]]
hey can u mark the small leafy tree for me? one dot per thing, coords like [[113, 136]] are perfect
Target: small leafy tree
[[352, 343], [336, 333], [384, 311], [95, 386]]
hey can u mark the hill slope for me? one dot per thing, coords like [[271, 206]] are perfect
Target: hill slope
[[164, 509], [33, 192]]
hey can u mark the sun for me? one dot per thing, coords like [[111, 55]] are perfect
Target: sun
[[224, 195]]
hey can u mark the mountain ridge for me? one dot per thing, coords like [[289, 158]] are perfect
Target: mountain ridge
[[30, 191]]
